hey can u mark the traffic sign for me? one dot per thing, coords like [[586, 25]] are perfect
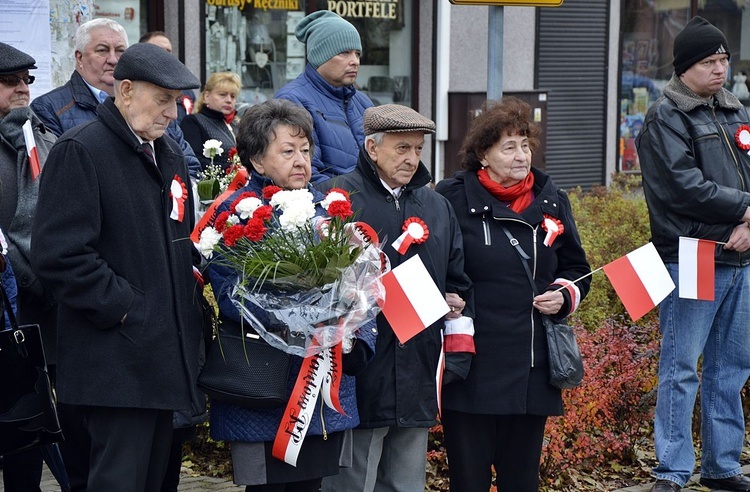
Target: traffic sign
[[511, 3]]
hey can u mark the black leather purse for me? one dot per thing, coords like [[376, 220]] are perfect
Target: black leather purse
[[565, 361], [28, 416], [245, 371]]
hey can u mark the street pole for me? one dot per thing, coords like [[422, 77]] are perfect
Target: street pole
[[495, 53]]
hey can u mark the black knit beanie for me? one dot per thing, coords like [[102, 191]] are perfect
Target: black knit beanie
[[698, 40]]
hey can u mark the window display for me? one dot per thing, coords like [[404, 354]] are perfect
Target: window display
[[648, 31], [259, 44]]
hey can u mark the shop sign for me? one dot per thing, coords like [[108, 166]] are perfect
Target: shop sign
[[511, 3], [258, 4], [366, 9]]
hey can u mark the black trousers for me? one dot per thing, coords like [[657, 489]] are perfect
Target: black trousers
[[477, 442], [129, 448], [305, 486]]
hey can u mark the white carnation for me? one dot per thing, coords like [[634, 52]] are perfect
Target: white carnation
[[247, 206], [212, 148], [210, 237]]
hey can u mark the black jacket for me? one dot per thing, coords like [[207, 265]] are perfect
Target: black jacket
[[695, 177], [398, 386], [510, 371], [105, 245]]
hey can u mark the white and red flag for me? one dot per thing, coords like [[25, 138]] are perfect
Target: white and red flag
[[640, 279], [697, 272], [28, 136], [412, 300]]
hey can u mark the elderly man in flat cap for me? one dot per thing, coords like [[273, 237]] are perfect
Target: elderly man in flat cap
[[326, 89], [20, 185], [99, 43], [696, 169], [111, 241], [396, 391]]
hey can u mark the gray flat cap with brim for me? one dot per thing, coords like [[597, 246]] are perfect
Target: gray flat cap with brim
[[13, 60], [149, 63], [395, 118]]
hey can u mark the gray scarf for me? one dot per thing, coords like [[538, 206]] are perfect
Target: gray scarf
[[26, 190]]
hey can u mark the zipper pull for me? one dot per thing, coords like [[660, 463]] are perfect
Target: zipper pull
[[323, 422]]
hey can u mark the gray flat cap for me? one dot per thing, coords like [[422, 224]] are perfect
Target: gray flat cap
[[391, 118], [150, 63], [13, 60]]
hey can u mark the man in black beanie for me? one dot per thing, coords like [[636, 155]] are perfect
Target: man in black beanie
[[112, 243], [693, 150]]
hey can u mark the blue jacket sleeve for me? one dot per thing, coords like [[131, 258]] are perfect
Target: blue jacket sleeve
[[194, 165]]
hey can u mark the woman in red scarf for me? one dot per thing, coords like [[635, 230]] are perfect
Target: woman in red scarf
[[213, 117], [496, 416]]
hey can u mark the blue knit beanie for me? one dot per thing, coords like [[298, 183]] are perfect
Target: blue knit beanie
[[326, 35]]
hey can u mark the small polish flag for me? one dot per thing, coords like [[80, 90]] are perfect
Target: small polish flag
[[412, 300], [696, 268], [640, 279], [28, 136]]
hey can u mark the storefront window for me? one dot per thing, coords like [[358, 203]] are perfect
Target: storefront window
[[258, 43], [648, 31], [130, 14]]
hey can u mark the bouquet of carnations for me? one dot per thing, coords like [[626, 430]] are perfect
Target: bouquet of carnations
[[305, 282], [214, 180]]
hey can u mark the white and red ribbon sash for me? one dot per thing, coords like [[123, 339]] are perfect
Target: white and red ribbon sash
[[28, 136], [178, 193], [573, 291], [439, 376], [459, 335], [415, 232], [320, 373], [240, 179]]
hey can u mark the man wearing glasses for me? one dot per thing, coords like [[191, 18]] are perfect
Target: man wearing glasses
[[20, 184]]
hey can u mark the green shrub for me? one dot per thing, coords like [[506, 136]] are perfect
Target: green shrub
[[611, 222]]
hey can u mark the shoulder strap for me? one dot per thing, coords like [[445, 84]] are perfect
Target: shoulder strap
[[522, 256], [7, 310]]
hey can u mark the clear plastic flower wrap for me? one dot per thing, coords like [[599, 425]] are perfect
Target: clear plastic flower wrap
[[304, 322]]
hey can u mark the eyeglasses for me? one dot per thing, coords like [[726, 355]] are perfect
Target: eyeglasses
[[13, 80]]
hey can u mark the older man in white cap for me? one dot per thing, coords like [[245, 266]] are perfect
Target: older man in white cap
[[396, 391], [111, 241], [326, 89], [18, 181]]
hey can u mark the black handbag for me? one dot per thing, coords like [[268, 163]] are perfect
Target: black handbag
[[245, 371], [28, 416], [565, 361]]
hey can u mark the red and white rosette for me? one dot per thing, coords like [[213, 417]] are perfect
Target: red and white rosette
[[178, 193], [742, 137], [415, 232], [554, 228]]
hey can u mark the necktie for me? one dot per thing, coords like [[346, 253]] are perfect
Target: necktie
[[149, 152]]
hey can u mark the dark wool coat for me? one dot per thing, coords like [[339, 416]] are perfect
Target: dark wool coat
[[398, 386], [509, 374], [204, 125], [337, 113], [105, 245]]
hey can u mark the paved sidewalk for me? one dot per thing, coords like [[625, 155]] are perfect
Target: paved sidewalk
[[692, 484], [187, 484]]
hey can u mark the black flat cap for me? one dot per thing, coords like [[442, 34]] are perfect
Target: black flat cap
[[13, 60], [150, 63]]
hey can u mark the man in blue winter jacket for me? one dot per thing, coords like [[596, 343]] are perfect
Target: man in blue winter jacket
[[326, 89]]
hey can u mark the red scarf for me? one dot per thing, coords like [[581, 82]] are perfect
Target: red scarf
[[228, 118], [518, 196]]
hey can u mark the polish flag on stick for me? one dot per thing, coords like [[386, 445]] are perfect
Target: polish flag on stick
[[640, 279], [412, 300], [28, 136], [696, 268]]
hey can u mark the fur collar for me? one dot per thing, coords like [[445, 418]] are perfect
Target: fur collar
[[687, 100]]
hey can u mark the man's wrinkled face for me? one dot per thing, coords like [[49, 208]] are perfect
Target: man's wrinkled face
[[97, 62], [146, 107], [14, 91], [397, 156]]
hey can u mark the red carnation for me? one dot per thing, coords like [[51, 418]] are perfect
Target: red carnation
[[243, 195], [270, 191], [254, 230], [263, 213], [232, 153], [338, 190], [220, 224], [233, 234], [340, 208]]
